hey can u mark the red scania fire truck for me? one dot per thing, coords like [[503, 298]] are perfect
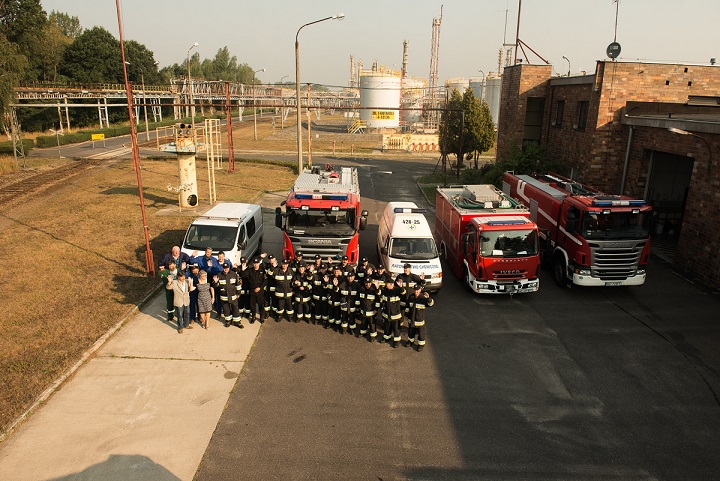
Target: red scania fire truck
[[488, 239], [589, 238], [322, 214]]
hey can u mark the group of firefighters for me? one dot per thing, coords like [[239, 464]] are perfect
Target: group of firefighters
[[361, 300]]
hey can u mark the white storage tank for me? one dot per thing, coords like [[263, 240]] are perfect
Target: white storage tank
[[492, 96], [380, 99], [459, 84], [413, 94], [477, 84]]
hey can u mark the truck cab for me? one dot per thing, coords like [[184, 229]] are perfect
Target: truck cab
[[405, 237]]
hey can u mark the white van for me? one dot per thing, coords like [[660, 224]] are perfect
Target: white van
[[404, 237], [234, 228]]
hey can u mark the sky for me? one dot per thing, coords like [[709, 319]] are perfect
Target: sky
[[262, 33]]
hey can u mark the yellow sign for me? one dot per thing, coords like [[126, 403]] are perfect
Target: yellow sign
[[98, 136], [382, 115]]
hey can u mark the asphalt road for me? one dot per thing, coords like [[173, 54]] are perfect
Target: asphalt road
[[563, 384]]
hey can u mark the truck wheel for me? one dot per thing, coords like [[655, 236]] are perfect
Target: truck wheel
[[559, 271], [466, 279]]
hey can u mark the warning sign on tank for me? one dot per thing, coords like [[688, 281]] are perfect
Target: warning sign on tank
[[383, 115]]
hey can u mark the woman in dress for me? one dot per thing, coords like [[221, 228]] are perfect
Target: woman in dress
[[206, 298]]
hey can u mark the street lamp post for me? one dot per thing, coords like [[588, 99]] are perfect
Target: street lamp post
[[568, 61], [339, 16], [707, 144], [255, 108], [190, 86], [482, 84]]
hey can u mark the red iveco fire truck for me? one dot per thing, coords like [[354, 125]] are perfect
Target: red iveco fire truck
[[590, 238], [322, 214], [488, 239]]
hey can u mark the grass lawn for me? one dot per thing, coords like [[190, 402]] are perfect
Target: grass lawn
[[73, 261]]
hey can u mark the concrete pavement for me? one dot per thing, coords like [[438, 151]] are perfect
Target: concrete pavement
[[143, 407]]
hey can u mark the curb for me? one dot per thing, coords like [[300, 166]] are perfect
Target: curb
[[86, 355]]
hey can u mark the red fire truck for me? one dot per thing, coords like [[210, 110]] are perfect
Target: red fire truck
[[322, 214], [589, 238], [488, 239]]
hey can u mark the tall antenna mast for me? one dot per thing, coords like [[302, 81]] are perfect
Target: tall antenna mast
[[617, 8], [517, 34], [434, 52]]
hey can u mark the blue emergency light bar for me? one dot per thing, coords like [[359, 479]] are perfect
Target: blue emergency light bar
[[616, 203], [322, 196], [507, 222], [408, 210]]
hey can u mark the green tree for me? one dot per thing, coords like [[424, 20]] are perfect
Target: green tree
[[93, 57], [473, 117], [54, 43], [141, 63], [12, 71], [530, 159], [22, 22], [69, 25]]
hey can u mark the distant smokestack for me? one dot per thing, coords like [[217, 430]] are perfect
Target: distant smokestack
[[403, 73]]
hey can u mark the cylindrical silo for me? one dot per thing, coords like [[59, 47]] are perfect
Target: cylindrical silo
[[380, 99], [477, 84], [413, 93], [460, 84], [492, 96]]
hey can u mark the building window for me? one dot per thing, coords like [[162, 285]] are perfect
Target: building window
[[559, 111], [534, 114], [582, 115]]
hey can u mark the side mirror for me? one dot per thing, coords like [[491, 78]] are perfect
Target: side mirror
[[278, 217], [363, 219], [283, 203], [383, 251], [242, 245]]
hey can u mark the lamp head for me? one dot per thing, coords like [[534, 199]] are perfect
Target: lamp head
[[339, 16]]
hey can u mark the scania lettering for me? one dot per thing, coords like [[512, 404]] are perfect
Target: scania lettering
[[589, 238], [322, 214], [488, 239]]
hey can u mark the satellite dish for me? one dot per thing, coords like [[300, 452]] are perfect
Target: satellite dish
[[613, 50]]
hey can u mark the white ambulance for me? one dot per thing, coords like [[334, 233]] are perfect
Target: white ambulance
[[404, 237]]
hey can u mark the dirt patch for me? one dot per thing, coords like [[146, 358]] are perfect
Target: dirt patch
[[73, 261]]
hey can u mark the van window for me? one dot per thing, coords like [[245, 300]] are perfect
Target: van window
[[199, 237], [251, 227], [413, 248]]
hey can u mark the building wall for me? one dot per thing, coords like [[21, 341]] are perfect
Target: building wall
[[620, 82], [698, 241], [518, 83], [598, 153]]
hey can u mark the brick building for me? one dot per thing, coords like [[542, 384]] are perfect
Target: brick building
[[611, 129]]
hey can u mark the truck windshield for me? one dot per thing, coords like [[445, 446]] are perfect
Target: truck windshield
[[200, 237], [509, 243], [413, 248], [616, 225], [331, 223]]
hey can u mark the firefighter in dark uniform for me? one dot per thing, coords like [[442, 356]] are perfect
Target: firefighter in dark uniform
[[283, 279], [362, 270], [335, 297], [302, 286], [255, 281], [319, 294], [345, 267], [417, 304], [380, 278], [228, 283], [409, 280], [392, 295], [296, 262], [347, 307], [243, 301], [270, 265], [367, 301]]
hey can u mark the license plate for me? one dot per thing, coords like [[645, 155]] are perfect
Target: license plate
[[613, 284]]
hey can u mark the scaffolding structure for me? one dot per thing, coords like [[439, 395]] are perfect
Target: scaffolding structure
[[213, 155]]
